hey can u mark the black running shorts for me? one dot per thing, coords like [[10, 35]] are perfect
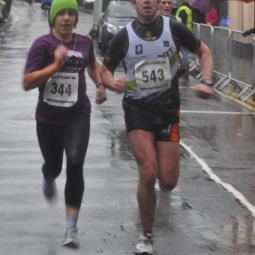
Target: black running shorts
[[163, 124]]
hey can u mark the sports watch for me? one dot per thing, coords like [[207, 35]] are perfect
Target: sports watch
[[208, 82], [100, 84]]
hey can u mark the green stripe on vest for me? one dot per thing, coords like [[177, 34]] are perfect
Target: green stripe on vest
[[173, 59], [172, 17], [131, 85]]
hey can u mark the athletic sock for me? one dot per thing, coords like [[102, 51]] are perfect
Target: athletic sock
[[71, 222], [145, 232]]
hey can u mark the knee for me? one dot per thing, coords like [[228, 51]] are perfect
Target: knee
[[169, 184], [74, 162], [148, 175]]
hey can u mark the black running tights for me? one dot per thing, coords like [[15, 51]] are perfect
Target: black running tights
[[73, 138]]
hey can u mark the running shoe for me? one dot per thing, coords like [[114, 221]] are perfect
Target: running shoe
[[49, 189], [144, 245], [71, 239]]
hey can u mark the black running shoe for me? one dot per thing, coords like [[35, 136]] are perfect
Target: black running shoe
[[49, 189]]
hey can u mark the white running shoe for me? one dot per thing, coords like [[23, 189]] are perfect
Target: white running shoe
[[144, 245], [71, 239]]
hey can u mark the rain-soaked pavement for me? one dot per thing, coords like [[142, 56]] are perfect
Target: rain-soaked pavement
[[209, 212]]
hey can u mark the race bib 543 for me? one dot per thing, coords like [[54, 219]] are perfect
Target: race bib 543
[[153, 75]]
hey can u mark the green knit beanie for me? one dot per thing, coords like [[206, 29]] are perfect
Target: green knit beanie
[[60, 5]]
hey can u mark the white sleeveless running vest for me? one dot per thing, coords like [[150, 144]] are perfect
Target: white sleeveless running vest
[[150, 64]]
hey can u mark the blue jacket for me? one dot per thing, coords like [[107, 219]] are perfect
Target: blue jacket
[[47, 2]]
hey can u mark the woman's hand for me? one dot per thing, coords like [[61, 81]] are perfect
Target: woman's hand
[[60, 53], [101, 95]]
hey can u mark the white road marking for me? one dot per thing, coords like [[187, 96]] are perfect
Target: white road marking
[[238, 195], [219, 112]]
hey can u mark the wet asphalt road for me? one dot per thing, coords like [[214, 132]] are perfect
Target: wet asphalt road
[[209, 212]]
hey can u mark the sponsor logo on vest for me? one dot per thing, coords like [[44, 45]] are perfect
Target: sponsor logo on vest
[[148, 34], [168, 53], [166, 43], [154, 38], [139, 49]]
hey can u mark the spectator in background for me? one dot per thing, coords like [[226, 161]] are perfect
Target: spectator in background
[[211, 17], [46, 4], [184, 12], [165, 8], [31, 5], [2, 4], [198, 16]]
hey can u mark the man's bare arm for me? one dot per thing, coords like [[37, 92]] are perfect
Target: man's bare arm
[[206, 60], [116, 85]]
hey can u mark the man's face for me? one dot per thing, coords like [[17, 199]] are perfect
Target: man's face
[[165, 7], [146, 9]]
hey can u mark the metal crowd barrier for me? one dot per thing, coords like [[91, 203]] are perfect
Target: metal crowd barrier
[[233, 56]]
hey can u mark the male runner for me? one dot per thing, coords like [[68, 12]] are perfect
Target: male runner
[[149, 49]]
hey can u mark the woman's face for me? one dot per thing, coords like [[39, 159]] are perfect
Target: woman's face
[[65, 22]]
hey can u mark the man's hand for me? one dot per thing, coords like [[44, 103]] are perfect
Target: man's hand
[[120, 84], [101, 95], [203, 91]]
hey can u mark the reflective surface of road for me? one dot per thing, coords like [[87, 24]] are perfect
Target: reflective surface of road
[[211, 211]]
